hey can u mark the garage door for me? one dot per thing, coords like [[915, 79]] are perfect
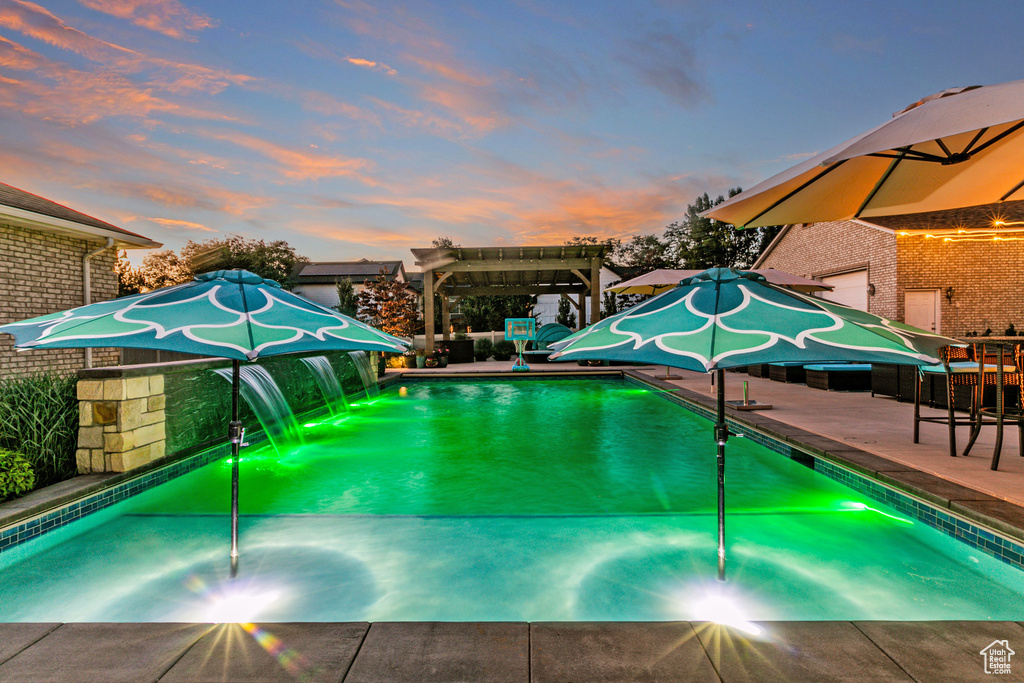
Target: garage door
[[850, 289]]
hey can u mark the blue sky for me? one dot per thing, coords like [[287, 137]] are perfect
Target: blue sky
[[354, 128]]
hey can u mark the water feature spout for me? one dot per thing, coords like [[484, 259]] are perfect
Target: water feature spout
[[327, 380], [366, 374], [261, 392]]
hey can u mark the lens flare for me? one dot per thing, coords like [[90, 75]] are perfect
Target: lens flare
[[239, 606], [723, 609]]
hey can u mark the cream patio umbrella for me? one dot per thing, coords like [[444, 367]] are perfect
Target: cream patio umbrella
[[956, 148]]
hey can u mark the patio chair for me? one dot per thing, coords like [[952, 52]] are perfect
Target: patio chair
[[1007, 375]]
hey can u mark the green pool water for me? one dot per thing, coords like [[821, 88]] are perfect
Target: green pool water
[[531, 500]]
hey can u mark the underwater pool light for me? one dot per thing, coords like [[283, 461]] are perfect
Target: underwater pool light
[[239, 606], [723, 609]]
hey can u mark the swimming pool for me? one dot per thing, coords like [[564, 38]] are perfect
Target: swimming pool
[[485, 500]]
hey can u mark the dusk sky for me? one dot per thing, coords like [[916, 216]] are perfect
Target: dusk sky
[[359, 129]]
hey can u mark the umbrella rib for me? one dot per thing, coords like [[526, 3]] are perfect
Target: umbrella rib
[[1009, 131], [881, 181], [799, 189], [973, 142], [1012, 191]]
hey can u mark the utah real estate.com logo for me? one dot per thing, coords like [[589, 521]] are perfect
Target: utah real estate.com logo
[[997, 657]]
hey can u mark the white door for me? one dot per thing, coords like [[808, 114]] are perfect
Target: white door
[[850, 289], [920, 309]]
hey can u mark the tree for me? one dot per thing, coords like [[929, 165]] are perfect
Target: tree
[[565, 313], [609, 305], [386, 304], [486, 313], [162, 269], [613, 244], [271, 260], [348, 303], [647, 253], [700, 242], [129, 280]]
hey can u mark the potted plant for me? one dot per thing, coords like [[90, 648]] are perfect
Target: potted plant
[[482, 349], [504, 349], [410, 359], [430, 361], [460, 348], [442, 356], [421, 358]]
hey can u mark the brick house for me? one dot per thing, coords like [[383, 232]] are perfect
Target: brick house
[[961, 270], [319, 281], [54, 258]]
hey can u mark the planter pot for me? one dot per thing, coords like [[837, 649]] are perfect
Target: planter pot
[[442, 361], [460, 350], [421, 361], [410, 361]]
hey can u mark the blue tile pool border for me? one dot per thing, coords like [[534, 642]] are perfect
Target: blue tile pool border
[[974, 535], [955, 526]]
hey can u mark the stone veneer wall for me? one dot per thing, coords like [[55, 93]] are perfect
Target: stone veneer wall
[[130, 416], [987, 280], [122, 423], [821, 249], [42, 273]]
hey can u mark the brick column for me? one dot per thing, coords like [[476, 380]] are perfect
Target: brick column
[[121, 423]]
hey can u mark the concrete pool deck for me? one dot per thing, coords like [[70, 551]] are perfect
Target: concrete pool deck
[[874, 434]]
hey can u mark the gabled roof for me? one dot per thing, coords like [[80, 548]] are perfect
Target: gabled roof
[[327, 273], [25, 209]]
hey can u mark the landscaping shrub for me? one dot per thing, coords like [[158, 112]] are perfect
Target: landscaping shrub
[[504, 349], [16, 475], [39, 420], [483, 348]]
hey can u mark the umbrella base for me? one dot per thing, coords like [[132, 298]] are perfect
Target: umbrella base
[[752, 405]]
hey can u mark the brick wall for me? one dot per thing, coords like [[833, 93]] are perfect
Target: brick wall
[[41, 272], [822, 249], [987, 280]]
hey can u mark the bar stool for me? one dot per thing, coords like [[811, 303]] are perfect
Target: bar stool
[[959, 370], [1012, 375]]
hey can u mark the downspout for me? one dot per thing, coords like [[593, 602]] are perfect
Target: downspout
[[87, 286]]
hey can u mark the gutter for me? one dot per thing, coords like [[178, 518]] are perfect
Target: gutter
[[87, 286]]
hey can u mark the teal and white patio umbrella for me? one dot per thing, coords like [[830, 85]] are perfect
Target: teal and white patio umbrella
[[227, 313], [725, 318]]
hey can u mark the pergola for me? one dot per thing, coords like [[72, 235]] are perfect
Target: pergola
[[570, 270]]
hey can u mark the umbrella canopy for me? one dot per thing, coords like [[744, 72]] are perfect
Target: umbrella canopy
[[960, 147], [662, 280], [725, 318], [228, 313]]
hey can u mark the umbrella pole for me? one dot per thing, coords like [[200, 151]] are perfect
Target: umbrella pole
[[235, 435], [721, 436]]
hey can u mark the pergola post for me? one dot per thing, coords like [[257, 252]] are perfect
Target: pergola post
[[428, 310], [595, 290], [582, 307]]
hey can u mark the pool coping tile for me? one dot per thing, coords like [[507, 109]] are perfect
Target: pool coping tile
[[286, 652], [609, 652], [916, 646], [88, 652], [797, 651], [483, 652]]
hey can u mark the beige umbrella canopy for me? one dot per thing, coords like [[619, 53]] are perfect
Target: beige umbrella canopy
[[961, 147], [664, 279]]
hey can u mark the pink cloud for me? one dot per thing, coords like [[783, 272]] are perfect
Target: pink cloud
[[169, 17], [296, 164]]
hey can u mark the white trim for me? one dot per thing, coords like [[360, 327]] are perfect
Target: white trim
[[38, 221]]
